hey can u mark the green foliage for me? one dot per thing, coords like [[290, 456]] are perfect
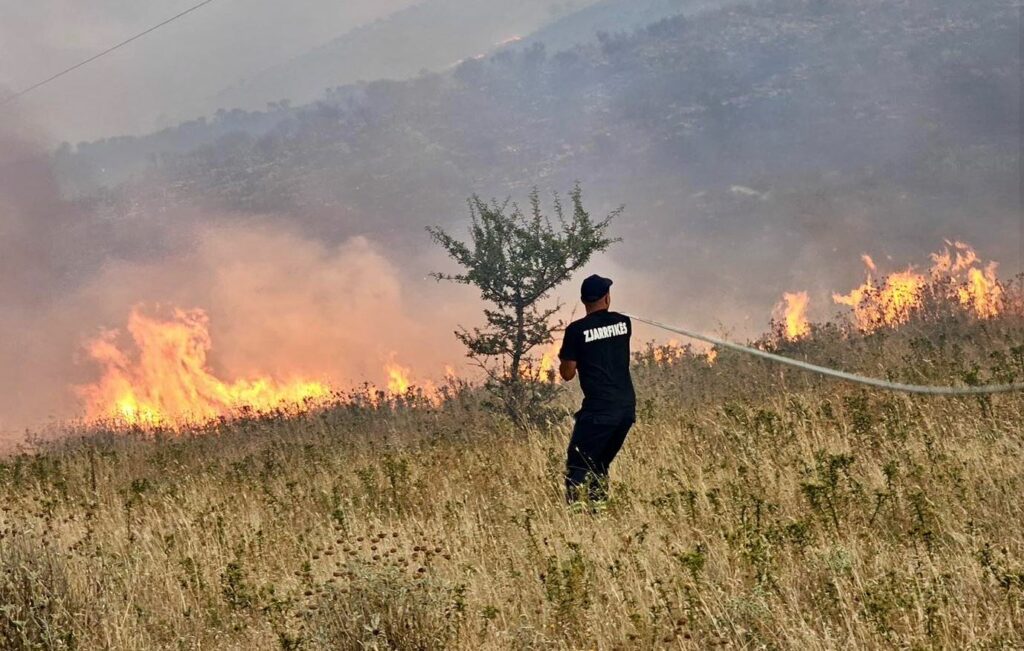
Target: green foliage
[[827, 493], [516, 259], [693, 561], [567, 586], [235, 587]]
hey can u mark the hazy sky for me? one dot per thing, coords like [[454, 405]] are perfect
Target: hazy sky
[[166, 76]]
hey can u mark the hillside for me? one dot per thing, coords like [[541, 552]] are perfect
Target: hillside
[[429, 35], [853, 123], [752, 90], [613, 16], [751, 508]]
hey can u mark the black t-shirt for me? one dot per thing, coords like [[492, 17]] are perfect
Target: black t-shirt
[[599, 344]]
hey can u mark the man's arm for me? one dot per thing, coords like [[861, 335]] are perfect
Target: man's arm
[[567, 369], [569, 353]]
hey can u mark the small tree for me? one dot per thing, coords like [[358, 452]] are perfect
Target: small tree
[[516, 259]]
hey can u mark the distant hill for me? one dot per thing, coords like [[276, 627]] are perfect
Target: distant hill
[[612, 16], [91, 166], [430, 35], [846, 124], [785, 85], [434, 34]]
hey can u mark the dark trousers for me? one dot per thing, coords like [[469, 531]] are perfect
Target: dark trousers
[[596, 439]]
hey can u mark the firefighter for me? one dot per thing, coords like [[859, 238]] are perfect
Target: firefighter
[[597, 348]]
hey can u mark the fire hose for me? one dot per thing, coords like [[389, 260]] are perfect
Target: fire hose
[[842, 375]]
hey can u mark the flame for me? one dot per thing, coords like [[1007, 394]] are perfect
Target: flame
[[669, 353], [673, 352], [976, 288], [945, 264], [549, 362], [982, 292], [398, 379], [793, 314], [166, 380], [892, 302], [400, 384], [889, 304], [544, 369]]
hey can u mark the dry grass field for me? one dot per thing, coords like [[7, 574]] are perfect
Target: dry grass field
[[751, 508]]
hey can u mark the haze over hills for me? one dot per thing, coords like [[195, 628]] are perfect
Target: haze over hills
[[787, 96], [613, 16], [429, 35], [165, 77], [420, 36], [434, 34]]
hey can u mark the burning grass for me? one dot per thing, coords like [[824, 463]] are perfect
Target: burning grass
[[752, 507], [168, 381], [957, 279], [157, 374]]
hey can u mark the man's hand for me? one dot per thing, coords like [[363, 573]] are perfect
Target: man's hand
[[567, 370]]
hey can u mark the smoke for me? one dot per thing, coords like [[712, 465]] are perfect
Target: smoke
[[31, 214], [280, 304], [283, 305], [169, 74]]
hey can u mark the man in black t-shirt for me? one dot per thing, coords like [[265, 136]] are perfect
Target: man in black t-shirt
[[597, 347]]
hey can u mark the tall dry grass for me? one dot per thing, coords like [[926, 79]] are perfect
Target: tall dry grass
[[751, 508]]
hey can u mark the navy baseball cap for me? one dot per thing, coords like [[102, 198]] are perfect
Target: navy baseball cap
[[594, 288]]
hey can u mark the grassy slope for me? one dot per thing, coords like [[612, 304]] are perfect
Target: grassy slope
[[751, 509]]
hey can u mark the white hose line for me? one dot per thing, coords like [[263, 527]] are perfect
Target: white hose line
[[842, 375]]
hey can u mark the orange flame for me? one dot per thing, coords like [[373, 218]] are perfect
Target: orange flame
[[544, 369], [547, 370], [950, 263], [793, 314], [976, 288], [673, 352], [401, 385], [888, 304], [398, 379], [166, 381], [669, 353], [982, 292], [892, 303]]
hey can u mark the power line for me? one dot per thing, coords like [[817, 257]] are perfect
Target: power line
[[120, 45]]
